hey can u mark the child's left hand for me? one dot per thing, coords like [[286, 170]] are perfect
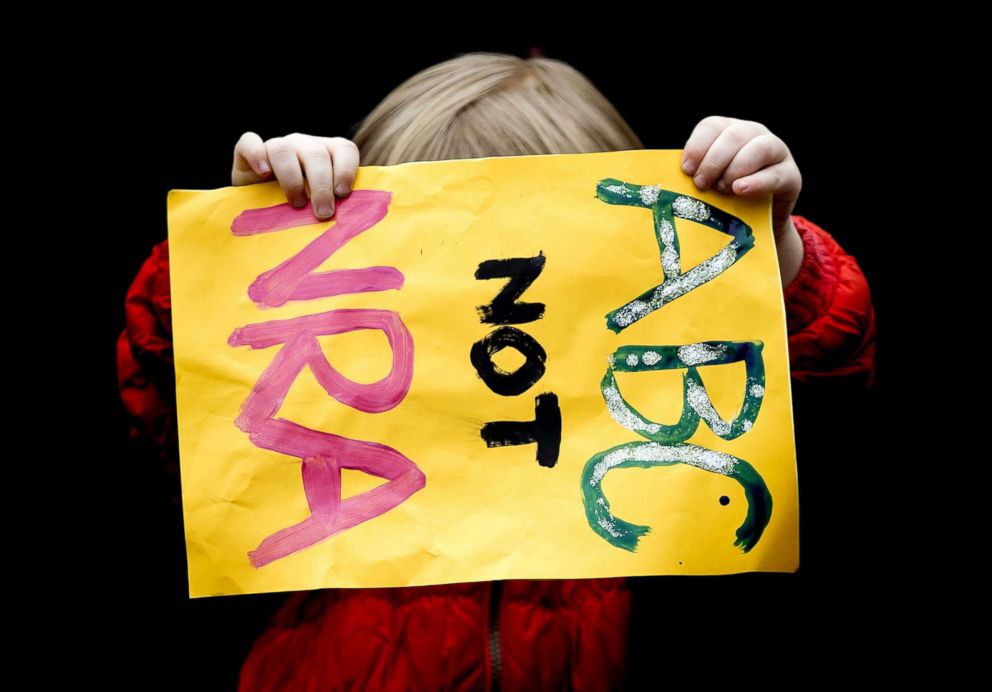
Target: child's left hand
[[743, 157]]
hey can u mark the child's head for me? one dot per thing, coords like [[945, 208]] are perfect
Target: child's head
[[490, 104]]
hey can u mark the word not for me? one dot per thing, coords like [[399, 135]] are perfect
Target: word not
[[545, 429]]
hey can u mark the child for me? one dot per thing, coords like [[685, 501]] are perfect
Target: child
[[548, 634]]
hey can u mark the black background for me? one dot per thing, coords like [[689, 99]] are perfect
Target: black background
[[176, 128]]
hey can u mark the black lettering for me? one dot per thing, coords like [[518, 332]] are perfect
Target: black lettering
[[504, 309], [498, 380], [545, 430]]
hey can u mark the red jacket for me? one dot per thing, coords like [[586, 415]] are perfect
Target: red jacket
[[540, 634]]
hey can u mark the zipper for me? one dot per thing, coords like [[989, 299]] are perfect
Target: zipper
[[495, 656]]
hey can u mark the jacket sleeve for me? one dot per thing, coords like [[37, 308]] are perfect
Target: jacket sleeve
[[830, 317], [145, 374]]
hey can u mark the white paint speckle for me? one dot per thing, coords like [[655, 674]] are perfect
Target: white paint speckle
[[692, 209], [623, 414], [699, 400], [671, 263], [677, 285], [609, 526], [693, 455], [650, 357], [631, 312], [695, 354], [632, 359], [649, 194], [621, 190]]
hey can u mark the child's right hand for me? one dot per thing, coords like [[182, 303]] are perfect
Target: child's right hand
[[325, 165]]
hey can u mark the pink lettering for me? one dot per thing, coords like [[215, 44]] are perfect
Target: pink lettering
[[293, 279], [323, 455]]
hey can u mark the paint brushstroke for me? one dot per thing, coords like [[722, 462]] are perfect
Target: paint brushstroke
[[294, 279], [665, 207], [496, 378], [302, 349], [667, 442], [544, 430], [324, 455], [626, 535]]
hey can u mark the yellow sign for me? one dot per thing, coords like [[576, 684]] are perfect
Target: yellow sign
[[504, 368]]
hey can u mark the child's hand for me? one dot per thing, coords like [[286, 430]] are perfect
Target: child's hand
[[329, 165], [743, 157]]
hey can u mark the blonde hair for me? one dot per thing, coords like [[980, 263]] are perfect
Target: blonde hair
[[491, 104]]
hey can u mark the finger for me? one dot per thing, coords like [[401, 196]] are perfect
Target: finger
[[761, 152], [723, 150], [783, 176], [286, 166], [319, 170], [251, 162], [702, 137], [344, 154]]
